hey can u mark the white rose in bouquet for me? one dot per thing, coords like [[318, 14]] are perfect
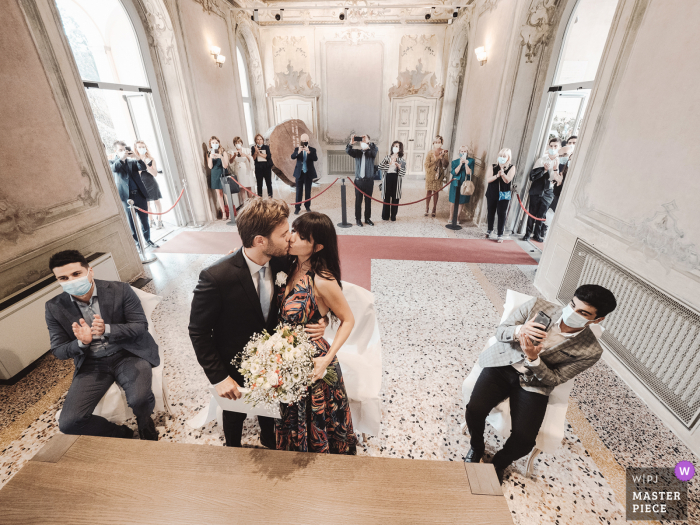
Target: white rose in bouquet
[[279, 367]]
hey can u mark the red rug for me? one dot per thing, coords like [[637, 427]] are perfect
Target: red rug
[[357, 251]]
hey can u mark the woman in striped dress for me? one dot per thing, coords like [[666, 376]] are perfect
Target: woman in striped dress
[[393, 169]]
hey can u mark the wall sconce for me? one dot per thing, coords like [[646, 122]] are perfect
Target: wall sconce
[[481, 55], [220, 59], [214, 50]]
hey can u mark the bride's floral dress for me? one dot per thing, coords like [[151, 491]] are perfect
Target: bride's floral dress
[[321, 422]]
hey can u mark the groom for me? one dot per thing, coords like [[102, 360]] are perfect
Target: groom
[[235, 298]]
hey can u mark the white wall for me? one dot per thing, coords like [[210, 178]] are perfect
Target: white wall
[[637, 153]]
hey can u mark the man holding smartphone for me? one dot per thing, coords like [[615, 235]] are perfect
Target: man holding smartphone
[[364, 175], [304, 171], [528, 361]]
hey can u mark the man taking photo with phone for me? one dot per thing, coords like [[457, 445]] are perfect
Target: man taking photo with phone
[[540, 345], [364, 175], [304, 171]]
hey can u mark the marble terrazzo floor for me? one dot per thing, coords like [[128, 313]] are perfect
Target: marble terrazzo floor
[[421, 395]]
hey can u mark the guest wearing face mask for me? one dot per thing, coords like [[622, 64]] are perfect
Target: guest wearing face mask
[[304, 171], [543, 175], [218, 162], [436, 163], [130, 187], [263, 164], [243, 168], [528, 361], [393, 169], [364, 175], [461, 171], [499, 177], [102, 327], [148, 177]]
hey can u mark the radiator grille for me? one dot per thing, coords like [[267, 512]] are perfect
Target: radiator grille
[[340, 163], [655, 336]]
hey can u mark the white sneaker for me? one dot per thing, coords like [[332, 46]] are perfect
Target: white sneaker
[[500, 238], [488, 235]]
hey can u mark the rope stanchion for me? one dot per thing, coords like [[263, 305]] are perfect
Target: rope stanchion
[[289, 203], [530, 214], [401, 204], [163, 212]]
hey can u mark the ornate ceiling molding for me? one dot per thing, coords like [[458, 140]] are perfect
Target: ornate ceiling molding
[[417, 82], [355, 36], [537, 30]]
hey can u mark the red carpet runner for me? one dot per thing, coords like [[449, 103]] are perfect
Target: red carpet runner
[[357, 251]]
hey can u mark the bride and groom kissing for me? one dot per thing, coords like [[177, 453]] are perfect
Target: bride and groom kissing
[[277, 276]]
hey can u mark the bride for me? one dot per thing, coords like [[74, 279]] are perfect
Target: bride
[[321, 422]]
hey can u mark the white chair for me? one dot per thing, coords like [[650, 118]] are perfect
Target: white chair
[[553, 426], [360, 360], [113, 406]]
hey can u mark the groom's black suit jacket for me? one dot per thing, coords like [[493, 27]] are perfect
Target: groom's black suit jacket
[[226, 312]]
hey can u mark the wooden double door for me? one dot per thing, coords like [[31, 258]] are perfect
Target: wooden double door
[[413, 123]]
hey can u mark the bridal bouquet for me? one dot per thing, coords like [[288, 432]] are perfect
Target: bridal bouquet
[[278, 368]]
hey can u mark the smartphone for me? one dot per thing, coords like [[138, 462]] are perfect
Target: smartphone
[[358, 139], [543, 319], [127, 148]]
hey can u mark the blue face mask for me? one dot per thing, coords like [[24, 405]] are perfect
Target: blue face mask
[[77, 287], [553, 151], [502, 160], [573, 319]]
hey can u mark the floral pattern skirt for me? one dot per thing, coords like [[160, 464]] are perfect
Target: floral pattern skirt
[[321, 422]]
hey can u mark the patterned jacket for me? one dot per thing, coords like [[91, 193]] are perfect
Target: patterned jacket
[[558, 364]]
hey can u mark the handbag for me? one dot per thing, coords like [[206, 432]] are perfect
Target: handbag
[[467, 188]]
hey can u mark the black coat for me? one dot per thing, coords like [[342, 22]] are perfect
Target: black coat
[[226, 313], [311, 157], [129, 169], [262, 168], [120, 308]]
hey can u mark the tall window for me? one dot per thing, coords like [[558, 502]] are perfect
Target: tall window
[[107, 52], [247, 99]]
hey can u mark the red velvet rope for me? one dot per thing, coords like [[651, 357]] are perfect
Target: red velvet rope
[[530, 214], [292, 203], [166, 211], [391, 204]]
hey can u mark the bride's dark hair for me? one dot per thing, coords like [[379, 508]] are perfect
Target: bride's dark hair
[[318, 228]]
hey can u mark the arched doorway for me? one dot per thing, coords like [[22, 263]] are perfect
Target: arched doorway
[[116, 75], [575, 71]]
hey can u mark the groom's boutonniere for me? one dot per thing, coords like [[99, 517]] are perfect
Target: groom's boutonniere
[[281, 279]]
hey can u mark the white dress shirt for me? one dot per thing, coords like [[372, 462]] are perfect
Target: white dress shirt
[[554, 337], [255, 275]]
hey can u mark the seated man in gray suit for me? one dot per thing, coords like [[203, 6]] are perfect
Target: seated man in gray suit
[[102, 326], [527, 363]]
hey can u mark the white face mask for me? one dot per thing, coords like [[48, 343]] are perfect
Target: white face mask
[[121, 154], [573, 319], [214, 146], [364, 145], [142, 151], [395, 149], [239, 146]]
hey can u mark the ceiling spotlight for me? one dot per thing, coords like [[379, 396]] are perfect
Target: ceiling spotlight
[[220, 59], [455, 13], [344, 14], [280, 16], [254, 18], [430, 14], [215, 50]]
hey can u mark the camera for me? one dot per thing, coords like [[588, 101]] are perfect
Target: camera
[[358, 138]]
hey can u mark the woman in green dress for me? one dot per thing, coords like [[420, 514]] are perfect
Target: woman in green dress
[[217, 160]]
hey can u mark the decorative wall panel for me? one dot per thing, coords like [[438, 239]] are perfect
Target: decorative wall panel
[[353, 78]]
